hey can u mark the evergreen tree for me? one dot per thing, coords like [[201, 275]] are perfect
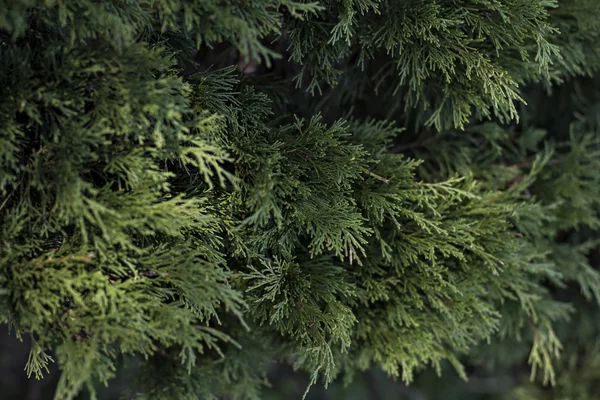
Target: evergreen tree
[[192, 190]]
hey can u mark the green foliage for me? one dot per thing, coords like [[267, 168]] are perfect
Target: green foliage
[[446, 57], [341, 210]]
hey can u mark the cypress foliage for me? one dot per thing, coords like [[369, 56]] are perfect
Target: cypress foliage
[[192, 190]]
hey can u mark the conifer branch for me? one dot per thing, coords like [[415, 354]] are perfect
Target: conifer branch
[[175, 194]]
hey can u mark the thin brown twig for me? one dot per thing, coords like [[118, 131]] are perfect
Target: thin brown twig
[[529, 164]]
